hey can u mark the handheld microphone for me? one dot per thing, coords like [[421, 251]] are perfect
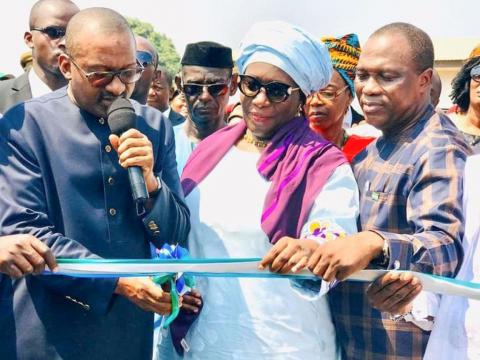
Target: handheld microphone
[[121, 117]]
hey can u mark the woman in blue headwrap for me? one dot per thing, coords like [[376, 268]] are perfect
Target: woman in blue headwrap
[[265, 188]]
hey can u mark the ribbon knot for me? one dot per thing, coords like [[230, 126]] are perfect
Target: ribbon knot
[[179, 282]]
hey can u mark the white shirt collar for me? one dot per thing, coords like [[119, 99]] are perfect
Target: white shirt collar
[[37, 86], [166, 113]]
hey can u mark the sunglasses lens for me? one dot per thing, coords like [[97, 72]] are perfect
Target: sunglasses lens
[[277, 92], [249, 86], [144, 58], [129, 76], [192, 89], [54, 32], [218, 89]]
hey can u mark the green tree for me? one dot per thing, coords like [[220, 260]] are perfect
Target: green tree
[[167, 55]]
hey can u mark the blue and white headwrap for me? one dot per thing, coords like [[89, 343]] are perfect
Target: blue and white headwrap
[[304, 58]]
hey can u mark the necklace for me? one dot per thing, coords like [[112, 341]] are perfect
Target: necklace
[[248, 137]]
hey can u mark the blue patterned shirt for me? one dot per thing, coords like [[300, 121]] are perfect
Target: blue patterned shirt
[[411, 195]]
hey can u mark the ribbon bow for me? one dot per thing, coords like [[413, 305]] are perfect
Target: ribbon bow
[[179, 282]]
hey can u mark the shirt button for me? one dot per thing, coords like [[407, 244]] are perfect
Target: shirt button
[[111, 180], [101, 121], [108, 148], [112, 211]]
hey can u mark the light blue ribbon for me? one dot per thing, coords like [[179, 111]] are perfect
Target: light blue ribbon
[[236, 268]]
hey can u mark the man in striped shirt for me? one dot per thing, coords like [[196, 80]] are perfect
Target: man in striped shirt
[[410, 183]]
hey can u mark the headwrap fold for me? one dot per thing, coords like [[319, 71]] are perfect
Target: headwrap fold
[[290, 48], [344, 53]]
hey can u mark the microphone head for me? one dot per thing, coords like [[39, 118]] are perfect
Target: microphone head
[[121, 116]]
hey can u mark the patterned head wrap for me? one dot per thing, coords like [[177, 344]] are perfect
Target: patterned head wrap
[[344, 52], [475, 52]]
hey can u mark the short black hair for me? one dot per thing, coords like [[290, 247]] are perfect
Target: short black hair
[[168, 75], [460, 94], [420, 43]]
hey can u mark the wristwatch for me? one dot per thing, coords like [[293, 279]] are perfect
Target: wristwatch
[[383, 259]]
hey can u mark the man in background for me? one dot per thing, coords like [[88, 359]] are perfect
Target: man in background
[[159, 96], [45, 37]]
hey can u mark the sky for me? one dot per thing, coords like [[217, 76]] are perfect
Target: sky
[[226, 21]]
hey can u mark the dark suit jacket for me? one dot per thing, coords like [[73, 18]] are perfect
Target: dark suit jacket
[[175, 118], [14, 91], [61, 181]]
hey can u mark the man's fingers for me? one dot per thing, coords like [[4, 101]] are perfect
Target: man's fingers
[[45, 252], [400, 296], [140, 161], [383, 281], [13, 271], [23, 264], [157, 300], [393, 279], [114, 140], [190, 308], [130, 133], [36, 260], [400, 306], [195, 293], [321, 267], [133, 143], [330, 273], [191, 303], [140, 151], [391, 295], [191, 300], [396, 288]]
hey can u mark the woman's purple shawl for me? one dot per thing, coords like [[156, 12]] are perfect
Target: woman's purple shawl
[[297, 162]]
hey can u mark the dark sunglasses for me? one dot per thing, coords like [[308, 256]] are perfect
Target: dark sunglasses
[[276, 91], [475, 73], [214, 90], [103, 78], [53, 32], [144, 58]]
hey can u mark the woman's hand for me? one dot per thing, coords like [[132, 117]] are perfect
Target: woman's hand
[[288, 254]]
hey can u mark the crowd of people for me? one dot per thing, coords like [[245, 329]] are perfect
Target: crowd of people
[[292, 174]]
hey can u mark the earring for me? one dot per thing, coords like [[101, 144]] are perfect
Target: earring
[[300, 111]]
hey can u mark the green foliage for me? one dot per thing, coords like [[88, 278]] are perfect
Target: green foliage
[[167, 55]]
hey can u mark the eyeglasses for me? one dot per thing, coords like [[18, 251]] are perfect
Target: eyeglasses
[[275, 91], [103, 78], [328, 94], [217, 89], [53, 32], [475, 74], [144, 58]]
